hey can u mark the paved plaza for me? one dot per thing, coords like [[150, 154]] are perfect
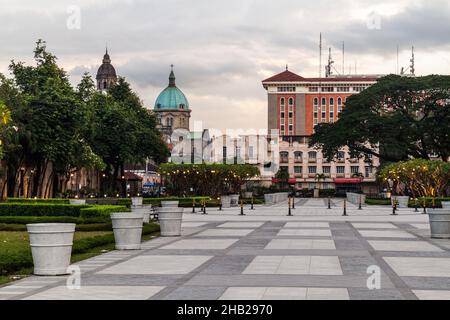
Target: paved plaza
[[316, 254]]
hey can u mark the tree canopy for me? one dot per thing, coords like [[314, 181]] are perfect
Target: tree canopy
[[59, 129], [397, 119]]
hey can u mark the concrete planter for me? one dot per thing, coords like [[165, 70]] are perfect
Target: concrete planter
[[445, 204], [145, 210], [248, 195], [77, 202], [169, 204], [269, 199], [137, 201], [234, 200], [127, 230], [439, 223], [402, 202], [51, 247], [170, 221], [226, 201], [354, 198]]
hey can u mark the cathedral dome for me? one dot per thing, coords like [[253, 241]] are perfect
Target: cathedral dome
[[106, 70], [171, 98]]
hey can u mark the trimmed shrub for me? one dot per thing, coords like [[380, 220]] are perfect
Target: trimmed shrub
[[101, 211], [42, 201], [57, 210], [40, 209], [378, 202], [27, 220]]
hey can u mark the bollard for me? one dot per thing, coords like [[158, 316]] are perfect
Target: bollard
[[416, 205], [394, 208], [252, 207], [329, 203], [193, 205], [424, 206], [293, 202], [220, 205], [345, 208], [360, 202], [434, 202], [204, 207], [242, 208], [289, 211]]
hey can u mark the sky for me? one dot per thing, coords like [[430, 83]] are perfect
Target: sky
[[223, 49]]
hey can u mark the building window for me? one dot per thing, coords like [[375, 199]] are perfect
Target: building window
[[368, 172], [282, 127], [354, 170], [340, 170], [312, 170], [324, 102], [331, 101], [327, 170], [312, 155], [182, 106], [341, 155], [284, 157], [282, 102], [291, 101], [298, 156], [298, 170], [313, 89], [316, 101], [287, 89]]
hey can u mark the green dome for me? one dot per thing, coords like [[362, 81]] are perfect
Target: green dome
[[171, 98]]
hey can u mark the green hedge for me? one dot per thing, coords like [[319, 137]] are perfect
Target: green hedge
[[378, 202], [57, 210], [43, 201], [107, 226], [15, 259], [101, 211], [429, 202]]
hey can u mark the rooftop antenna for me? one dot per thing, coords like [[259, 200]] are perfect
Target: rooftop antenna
[[343, 57], [398, 52], [356, 67], [328, 71], [413, 63], [320, 58]]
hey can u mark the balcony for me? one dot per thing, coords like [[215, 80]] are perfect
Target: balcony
[[298, 160], [312, 160], [353, 160], [284, 160], [340, 175], [312, 175], [340, 161]]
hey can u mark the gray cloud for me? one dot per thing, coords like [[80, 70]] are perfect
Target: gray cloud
[[221, 49]]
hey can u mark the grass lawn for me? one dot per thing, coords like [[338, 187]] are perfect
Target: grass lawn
[[13, 241]]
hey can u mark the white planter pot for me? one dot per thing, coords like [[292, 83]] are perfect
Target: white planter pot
[[402, 202], [51, 247], [248, 195], [170, 221], [269, 199], [439, 223], [145, 210], [445, 204], [127, 229], [226, 201], [234, 200], [169, 204], [77, 202], [137, 201]]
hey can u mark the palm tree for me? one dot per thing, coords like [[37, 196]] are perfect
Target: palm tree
[[320, 177]]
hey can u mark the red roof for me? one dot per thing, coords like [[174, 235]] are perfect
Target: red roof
[[130, 176], [288, 76], [348, 181], [285, 76]]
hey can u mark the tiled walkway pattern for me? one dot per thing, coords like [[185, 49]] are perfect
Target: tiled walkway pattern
[[268, 256]]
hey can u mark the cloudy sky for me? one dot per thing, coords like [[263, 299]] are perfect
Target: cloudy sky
[[222, 49]]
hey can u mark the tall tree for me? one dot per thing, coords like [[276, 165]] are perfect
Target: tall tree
[[396, 119]]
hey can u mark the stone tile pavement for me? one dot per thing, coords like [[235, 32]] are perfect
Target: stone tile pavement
[[317, 254]]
